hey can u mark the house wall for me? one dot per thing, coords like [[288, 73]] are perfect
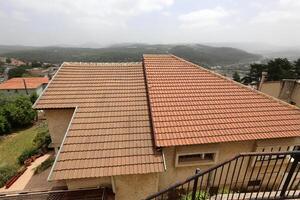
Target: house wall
[[224, 151], [296, 95], [39, 90], [58, 121], [135, 187], [89, 183], [271, 88]]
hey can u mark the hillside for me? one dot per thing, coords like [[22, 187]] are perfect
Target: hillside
[[9, 49], [200, 54]]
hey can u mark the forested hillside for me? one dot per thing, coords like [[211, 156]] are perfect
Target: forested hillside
[[200, 54]]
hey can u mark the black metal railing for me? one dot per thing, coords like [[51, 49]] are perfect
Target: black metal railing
[[264, 175]]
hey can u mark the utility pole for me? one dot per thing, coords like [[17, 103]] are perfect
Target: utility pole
[[25, 86]]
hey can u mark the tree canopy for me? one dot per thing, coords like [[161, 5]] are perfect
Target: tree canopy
[[15, 112], [16, 72], [277, 69], [236, 77]]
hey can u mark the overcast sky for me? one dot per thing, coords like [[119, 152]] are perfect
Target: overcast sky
[[75, 22]]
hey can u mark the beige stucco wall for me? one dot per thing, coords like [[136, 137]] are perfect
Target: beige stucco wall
[[58, 121], [135, 187], [271, 88], [224, 151], [89, 183], [296, 95]]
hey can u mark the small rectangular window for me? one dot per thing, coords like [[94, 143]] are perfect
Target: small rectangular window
[[196, 159]]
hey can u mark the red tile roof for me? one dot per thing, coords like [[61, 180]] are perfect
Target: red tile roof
[[110, 133], [192, 105], [18, 83]]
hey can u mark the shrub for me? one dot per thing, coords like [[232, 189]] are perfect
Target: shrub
[[6, 172], [200, 195], [4, 125], [27, 153], [45, 165], [16, 72], [33, 97], [20, 112], [42, 139]]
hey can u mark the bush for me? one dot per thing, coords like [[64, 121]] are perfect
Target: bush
[[4, 125], [200, 195], [27, 153], [20, 112], [6, 172], [45, 165], [16, 72], [33, 97], [42, 139]]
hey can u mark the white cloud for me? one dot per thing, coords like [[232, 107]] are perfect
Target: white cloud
[[73, 21], [283, 11], [204, 17], [92, 12]]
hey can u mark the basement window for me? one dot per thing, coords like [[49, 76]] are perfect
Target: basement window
[[196, 159]]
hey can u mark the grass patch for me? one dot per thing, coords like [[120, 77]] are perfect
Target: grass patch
[[13, 145], [45, 165]]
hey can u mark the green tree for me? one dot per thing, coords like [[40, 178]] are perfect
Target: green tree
[[20, 112], [236, 77], [16, 72], [36, 64], [2, 69], [297, 68], [254, 73], [33, 97], [8, 60], [279, 68]]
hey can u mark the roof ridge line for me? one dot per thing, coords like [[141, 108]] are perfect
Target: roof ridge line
[[152, 128]]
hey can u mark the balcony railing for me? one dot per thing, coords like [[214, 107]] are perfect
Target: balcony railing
[[265, 175]]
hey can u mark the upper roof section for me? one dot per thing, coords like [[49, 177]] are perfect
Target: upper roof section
[[192, 105], [110, 131], [22, 83]]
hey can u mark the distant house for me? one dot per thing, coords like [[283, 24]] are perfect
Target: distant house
[[26, 85], [17, 62], [140, 127]]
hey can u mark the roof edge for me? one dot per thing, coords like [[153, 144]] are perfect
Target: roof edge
[[34, 106]]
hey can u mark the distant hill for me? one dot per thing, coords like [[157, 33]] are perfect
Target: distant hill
[[9, 49], [200, 54]]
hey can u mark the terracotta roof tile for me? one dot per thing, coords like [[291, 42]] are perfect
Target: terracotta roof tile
[[192, 105], [18, 83], [110, 131]]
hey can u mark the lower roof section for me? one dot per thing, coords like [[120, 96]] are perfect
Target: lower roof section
[[110, 131]]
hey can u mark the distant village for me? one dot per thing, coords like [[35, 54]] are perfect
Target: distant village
[[20, 77]]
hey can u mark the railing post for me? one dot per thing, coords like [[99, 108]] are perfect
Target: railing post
[[296, 157], [195, 185]]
